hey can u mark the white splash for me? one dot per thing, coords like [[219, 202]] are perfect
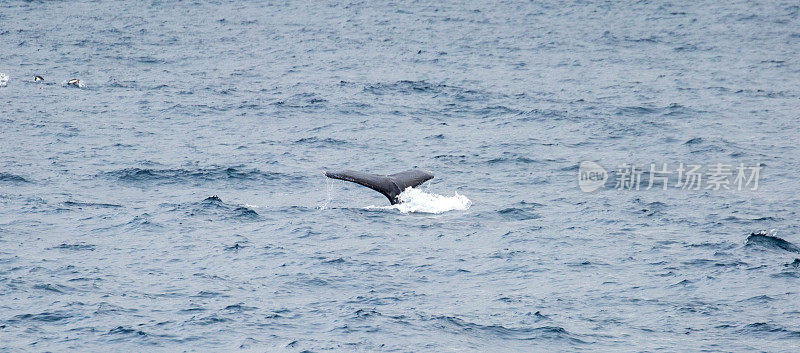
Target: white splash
[[3, 79], [416, 200], [73, 83], [328, 188]]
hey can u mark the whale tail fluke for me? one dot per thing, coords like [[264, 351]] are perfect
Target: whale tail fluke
[[389, 185]]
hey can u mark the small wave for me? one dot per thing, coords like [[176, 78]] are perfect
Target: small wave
[[239, 307], [43, 317], [765, 328], [521, 211], [497, 111], [512, 160], [453, 158], [440, 90], [75, 247], [55, 288], [139, 175], [302, 100], [505, 332], [12, 178], [234, 247], [208, 320], [417, 201], [772, 242], [404, 86], [672, 110], [140, 222], [79, 204], [120, 330], [214, 206], [520, 214], [314, 141]]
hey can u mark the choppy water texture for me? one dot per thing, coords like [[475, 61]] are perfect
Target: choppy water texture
[[176, 201]]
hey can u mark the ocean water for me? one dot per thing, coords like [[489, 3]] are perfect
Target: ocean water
[[176, 200]]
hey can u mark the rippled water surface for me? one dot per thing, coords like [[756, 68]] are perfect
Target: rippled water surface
[[176, 200]]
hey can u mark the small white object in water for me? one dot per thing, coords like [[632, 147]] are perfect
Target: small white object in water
[[3, 79], [38, 78], [74, 82]]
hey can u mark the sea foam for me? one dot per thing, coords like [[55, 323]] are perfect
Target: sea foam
[[417, 201]]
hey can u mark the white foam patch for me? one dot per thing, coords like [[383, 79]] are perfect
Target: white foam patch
[[416, 200]]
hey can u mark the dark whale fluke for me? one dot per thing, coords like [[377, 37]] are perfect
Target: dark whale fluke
[[388, 185]]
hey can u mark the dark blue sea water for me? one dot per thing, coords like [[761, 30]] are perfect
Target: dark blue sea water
[[175, 201]]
